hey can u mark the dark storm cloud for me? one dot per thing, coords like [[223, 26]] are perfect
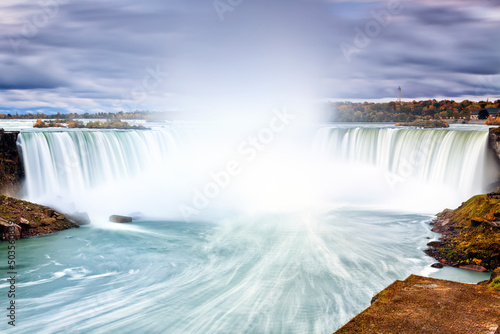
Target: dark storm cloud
[[98, 54], [33, 75], [426, 55], [443, 16], [96, 50]]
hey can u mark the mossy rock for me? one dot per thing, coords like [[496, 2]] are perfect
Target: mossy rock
[[494, 281], [471, 235]]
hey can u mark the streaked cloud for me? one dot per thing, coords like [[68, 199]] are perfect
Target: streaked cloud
[[94, 56]]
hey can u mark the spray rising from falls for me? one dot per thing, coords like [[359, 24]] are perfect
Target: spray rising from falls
[[143, 171]]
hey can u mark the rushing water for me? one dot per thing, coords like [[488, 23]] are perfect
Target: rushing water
[[295, 269]]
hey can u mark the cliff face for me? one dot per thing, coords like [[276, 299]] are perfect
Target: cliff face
[[494, 142], [11, 170]]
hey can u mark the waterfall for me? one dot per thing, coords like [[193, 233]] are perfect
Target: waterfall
[[63, 165], [455, 160], [358, 166]]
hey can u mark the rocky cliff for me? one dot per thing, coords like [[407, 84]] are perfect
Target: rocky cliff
[[470, 234], [11, 169], [494, 142]]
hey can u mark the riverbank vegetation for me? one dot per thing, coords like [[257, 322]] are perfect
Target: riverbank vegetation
[[334, 111], [109, 124], [405, 111], [493, 121], [153, 116], [49, 124], [427, 124]]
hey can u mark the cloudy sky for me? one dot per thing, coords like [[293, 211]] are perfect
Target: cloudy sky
[[79, 55]]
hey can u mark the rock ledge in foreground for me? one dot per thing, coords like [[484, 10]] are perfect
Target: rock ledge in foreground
[[29, 219], [428, 305]]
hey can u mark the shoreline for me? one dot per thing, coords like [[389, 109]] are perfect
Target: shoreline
[[23, 219], [470, 234]]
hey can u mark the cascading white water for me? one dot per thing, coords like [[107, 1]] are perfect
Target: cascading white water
[[427, 163], [354, 166], [72, 163]]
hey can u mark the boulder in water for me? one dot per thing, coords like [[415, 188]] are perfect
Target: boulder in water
[[120, 219]]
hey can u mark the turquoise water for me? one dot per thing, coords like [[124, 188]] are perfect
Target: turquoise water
[[265, 274]]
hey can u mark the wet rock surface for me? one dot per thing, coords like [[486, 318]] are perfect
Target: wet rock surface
[[29, 219]]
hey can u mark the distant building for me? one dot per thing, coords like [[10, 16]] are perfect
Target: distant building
[[484, 112], [399, 94]]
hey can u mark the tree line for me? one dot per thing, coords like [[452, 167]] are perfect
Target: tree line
[[336, 111], [142, 115], [405, 111]]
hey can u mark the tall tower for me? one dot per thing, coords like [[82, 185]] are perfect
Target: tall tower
[[399, 94]]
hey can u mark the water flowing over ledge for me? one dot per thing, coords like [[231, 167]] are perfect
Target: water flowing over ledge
[[352, 165], [455, 163], [452, 158]]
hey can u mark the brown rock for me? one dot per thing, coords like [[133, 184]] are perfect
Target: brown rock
[[24, 223], [474, 267], [429, 306], [437, 265], [48, 212], [435, 244], [9, 230], [120, 219], [47, 221], [29, 224], [17, 231]]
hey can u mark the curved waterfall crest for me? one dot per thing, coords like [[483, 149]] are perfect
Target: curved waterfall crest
[[72, 161], [454, 159], [378, 163]]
